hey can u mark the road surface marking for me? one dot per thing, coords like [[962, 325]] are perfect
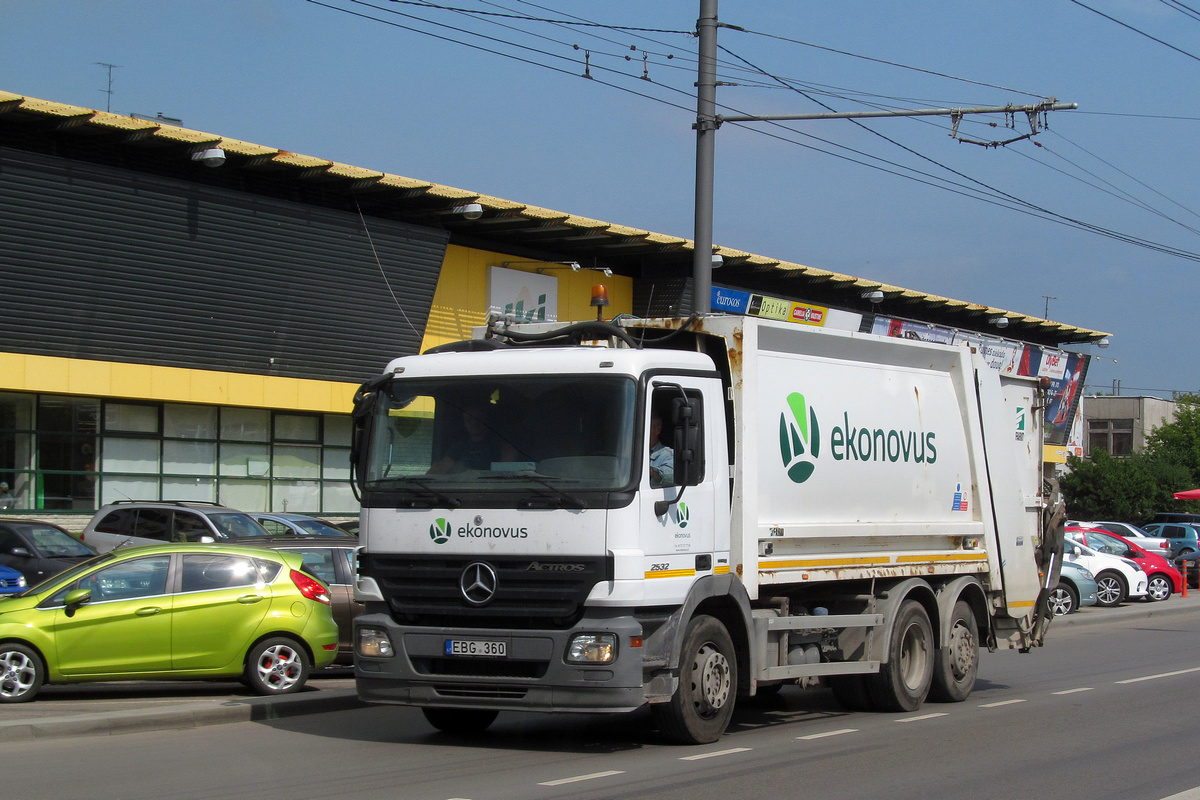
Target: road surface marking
[[1190, 794], [923, 716], [1073, 691], [1001, 703], [731, 751], [1160, 675], [828, 733], [579, 778]]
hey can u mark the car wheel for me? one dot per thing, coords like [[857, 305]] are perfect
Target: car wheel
[[1158, 588], [1110, 589], [21, 673], [1063, 599], [277, 666]]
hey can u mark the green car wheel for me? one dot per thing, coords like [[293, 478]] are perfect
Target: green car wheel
[[21, 673]]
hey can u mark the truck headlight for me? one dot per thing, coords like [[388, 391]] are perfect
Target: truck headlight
[[592, 648], [374, 643]]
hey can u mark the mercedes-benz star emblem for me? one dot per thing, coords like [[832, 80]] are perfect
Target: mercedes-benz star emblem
[[478, 583]]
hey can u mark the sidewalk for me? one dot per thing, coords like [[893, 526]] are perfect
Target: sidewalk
[[89, 709], [131, 706]]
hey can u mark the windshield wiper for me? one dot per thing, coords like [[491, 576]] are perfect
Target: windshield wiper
[[566, 499], [443, 498]]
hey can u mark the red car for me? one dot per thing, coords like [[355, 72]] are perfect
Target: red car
[[1163, 578]]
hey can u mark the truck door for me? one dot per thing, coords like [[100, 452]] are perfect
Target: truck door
[[680, 542]]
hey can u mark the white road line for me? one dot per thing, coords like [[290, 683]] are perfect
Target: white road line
[[1190, 794], [1001, 703], [828, 733], [731, 751], [579, 778], [923, 716], [1073, 691], [1160, 675]]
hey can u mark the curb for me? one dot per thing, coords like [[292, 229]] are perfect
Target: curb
[[186, 715], [1095, 615]]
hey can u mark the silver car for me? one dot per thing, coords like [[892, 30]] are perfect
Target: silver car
[[135, 522]]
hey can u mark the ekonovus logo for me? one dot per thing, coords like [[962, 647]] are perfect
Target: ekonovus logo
[[439, 531], [681, 514], [799, 438]]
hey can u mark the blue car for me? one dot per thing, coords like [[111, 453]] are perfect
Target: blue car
[[1183, 537], [11, 581], [1076, 588]]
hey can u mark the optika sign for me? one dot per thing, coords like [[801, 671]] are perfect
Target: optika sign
[[800, 441], [441, 531]]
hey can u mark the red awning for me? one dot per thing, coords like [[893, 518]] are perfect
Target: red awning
[[1190, 494]]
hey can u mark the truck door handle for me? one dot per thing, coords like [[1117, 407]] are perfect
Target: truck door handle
[[248, 599]]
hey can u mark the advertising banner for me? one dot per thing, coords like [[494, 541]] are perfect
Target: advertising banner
[[526, 296], [731, 301]]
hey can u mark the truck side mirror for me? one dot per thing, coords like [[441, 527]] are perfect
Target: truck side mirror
[[688, 441]]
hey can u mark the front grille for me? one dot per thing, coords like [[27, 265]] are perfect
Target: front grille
[[480, 668], [541, 593], [488, 692]]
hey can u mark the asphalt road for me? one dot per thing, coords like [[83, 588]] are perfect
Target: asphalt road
[[1104, 711]]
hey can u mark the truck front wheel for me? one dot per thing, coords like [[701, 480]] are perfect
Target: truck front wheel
[[699, 711], [958, 660], [903, 682], [459, 720]]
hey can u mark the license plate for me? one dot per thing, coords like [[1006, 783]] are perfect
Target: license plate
[[476, 647]]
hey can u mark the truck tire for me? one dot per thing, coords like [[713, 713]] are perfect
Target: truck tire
[[957, 662], [699, 711], [903, 682], [460, 721], [1110, 589]]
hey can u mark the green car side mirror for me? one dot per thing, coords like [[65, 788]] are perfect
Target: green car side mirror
[[75, 598]]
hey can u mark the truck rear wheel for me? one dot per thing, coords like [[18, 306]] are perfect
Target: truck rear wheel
[[460, 720], [699, 711], [957, 662], [903, 682]]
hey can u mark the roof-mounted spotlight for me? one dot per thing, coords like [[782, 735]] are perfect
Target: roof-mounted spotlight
[[999, 322], [717, 261], [873, 296], [210, 156], [469, 210]]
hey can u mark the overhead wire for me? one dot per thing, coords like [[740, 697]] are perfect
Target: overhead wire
[[1136, 30]]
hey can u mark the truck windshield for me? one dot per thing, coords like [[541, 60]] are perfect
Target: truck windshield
[[559, 434]]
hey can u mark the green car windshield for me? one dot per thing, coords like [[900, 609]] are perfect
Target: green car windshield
[[503, 433]]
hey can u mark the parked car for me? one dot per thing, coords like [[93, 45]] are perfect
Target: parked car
[[11, 582], [169, 612], [39, 549], [334, 561], [1175, 516], [134, 522], [350, 527], [1076, 588], [1153, 544], [1184, 538], [297, 525], [1162, 578], [1117, 579]]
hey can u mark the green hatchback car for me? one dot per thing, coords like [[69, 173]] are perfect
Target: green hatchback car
[[169, 612]]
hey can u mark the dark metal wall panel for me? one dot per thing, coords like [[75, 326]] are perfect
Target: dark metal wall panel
[[102, 263]]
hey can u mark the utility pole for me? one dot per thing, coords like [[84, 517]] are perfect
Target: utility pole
[[109, 90], [708, 121]]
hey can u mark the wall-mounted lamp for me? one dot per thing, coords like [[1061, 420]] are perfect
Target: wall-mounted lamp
[[574, 266], [1102, 343], [717, 261], [469, 210], [875, 296], [999, 322], [210, 156]]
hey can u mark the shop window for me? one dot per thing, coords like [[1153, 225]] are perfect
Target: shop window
[[128, 418], [292, 461], [246, 460], [189, 422], [296, 428], [245, 425]]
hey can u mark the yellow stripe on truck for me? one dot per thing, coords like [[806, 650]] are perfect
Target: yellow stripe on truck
[[671, 573]]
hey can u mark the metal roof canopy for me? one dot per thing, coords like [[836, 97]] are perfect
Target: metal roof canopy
[[504, 225]]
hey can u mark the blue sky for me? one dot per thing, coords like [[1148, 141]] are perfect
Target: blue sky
[[526, 126]]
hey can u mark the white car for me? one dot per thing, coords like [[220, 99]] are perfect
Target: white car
[[1117, 579], [1151, 544]]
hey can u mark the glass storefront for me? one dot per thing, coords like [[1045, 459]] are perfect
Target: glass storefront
[[65, 453]]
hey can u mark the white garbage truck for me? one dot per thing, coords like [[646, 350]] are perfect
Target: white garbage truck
[[826, 507]]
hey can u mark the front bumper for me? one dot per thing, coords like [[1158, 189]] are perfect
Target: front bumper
[[533, 676]]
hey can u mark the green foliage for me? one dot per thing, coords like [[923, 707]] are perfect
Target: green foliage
[[1129, 489], [1178, 441]]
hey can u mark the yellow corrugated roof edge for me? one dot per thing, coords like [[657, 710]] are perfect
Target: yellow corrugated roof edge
[[9, 100]]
